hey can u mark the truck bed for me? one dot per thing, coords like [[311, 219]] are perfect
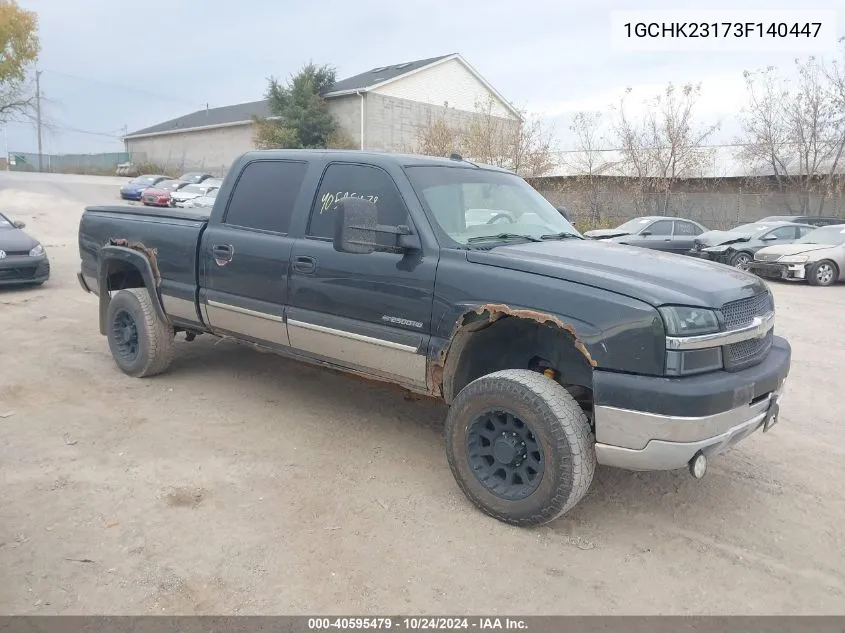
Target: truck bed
[[171, 234], [175, 213]]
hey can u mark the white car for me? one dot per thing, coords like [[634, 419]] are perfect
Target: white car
[[189, 192], [202, 201]]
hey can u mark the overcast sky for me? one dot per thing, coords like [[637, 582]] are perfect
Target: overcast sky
[[113, 63]]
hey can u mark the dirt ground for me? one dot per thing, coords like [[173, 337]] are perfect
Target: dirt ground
[[243, 483]]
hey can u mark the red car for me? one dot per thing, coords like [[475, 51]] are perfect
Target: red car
[[159, 196]]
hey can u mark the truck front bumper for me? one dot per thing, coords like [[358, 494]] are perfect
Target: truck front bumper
[[651, 423]]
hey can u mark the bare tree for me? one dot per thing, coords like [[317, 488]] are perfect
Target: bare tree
[[665, 144], [523, 146], [794, 129], [438, 139], [588, 162]]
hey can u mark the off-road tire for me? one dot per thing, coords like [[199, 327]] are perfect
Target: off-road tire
[[813, 271], [558, 423], [155, 337], [736, 258]]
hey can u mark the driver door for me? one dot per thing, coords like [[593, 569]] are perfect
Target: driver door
[[656, 236], [367, 312]]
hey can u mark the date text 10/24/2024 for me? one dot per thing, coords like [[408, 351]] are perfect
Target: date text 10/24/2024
[[420, 623]]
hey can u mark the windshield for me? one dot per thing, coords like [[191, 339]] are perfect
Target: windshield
[[634, 225], [169, 185], [5, 223], [193, 189], [828, 235], [191, 177], [468, 204], [144, 180]]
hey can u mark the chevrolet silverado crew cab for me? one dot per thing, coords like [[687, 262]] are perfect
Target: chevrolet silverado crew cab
[[461, 282]]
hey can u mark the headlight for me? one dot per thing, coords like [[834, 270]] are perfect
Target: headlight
[[794, 259], [715, 249], [684, 321], [36, 251]]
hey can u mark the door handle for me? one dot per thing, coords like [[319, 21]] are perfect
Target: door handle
[[667, 239], [222, 253], [304, 264]]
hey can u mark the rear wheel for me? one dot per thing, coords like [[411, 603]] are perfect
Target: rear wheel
[[520, 447], [823, 273], [741, 260], [140, 343]]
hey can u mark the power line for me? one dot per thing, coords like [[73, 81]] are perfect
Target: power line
[[127, 88]]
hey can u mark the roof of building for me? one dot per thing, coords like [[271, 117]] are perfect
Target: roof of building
[[210, 117], [244, 112], [380, 75]]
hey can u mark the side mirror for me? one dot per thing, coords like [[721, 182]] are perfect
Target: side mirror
[[356, 227], [645, 233], [769, 238], [18, 224]]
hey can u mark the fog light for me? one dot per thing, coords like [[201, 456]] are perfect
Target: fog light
[[698, 465]]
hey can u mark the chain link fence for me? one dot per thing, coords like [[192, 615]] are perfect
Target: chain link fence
[[104, 164]]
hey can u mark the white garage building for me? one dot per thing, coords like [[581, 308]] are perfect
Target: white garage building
[[381, 109]]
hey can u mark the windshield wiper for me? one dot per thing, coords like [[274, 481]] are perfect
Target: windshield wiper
[[502, 236], [559, 236]]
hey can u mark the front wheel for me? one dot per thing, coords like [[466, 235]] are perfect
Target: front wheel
[[823, 273], [520, 447], [140, 343], [741, 261]]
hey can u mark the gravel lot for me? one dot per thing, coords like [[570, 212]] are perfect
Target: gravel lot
[[240, 482]]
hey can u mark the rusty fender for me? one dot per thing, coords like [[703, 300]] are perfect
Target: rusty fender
[[151, 254], [495, 311]]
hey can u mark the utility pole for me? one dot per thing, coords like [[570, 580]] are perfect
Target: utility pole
[[38, 113]]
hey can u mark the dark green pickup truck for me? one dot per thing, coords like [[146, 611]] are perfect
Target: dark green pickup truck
[[461, 282]]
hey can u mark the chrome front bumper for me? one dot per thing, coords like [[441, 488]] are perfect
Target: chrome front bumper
[[647, 441]]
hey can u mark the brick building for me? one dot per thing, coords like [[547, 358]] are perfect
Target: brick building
[[381, 109]]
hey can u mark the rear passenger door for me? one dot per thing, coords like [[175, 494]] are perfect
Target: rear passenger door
[[368, 312], [684, 236], [244, 258]]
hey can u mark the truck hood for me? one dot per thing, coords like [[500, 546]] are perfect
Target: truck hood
[[718, 238], [600, 234], [651, 276]]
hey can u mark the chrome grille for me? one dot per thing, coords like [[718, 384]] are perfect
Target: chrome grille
[[740, 313]]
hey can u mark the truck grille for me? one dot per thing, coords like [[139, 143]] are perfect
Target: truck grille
[[741, 313], [749, 352]]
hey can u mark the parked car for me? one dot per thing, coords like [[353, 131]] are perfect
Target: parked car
[[203, 202], [564, 213], [818, 257], [814, 220], [189, 192], [133, 189], [160, 195], [737, 246], [194, 177], [660, 233], [554, 352], [22, 258]]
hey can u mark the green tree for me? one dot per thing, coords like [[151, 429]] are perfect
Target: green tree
[[19, 49], [300, 116]]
